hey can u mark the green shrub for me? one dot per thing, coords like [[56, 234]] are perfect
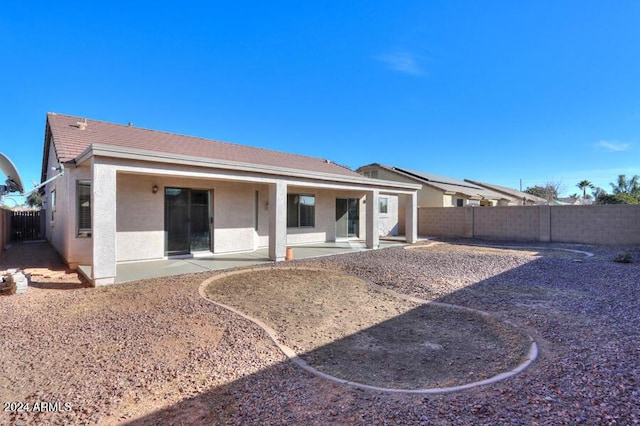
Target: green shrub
[[623, 257]]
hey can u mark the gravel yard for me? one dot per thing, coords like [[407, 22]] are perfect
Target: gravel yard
[[154, 351], [344, 326]]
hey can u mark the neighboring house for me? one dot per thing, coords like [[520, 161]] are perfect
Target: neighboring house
[[571, 201], [132, 194], [438, 191], [516, 198]]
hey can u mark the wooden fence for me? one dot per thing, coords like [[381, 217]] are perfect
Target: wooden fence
[[26, 225]]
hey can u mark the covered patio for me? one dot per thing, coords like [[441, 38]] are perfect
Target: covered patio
[[132, 271], [133, 196]]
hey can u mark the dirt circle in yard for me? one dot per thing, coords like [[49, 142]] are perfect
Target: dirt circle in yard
[[354, 331]]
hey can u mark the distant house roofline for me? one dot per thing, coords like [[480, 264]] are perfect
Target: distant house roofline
[[448, 186], [509, 191]]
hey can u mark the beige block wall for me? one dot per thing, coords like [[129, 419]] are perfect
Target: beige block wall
[[502, 223], [444, 221], [598, 224], [601, 224]]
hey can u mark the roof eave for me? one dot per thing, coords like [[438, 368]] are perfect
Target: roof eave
[[103, 150]]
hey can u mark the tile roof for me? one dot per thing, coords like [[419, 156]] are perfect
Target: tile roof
[[71, 140], [445, 184]]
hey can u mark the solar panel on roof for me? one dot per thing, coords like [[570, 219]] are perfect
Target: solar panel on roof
[[438, 179]]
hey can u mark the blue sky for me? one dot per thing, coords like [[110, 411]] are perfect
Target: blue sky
[[495, 91]]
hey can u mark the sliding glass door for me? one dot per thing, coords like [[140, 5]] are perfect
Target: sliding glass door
[[347, 217], [199, 220], [187, 221]]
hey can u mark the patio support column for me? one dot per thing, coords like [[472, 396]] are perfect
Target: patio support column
[[373, 237], [103, 223], [411, 217], [277, 221]]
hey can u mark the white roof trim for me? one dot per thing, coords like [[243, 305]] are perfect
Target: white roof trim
[[102, 150]]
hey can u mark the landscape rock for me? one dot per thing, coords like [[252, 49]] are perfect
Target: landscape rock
[[121, 354]]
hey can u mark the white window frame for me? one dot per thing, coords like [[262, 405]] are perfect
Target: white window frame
[[256, 213], [297, 224], [53, 204], [383, 202], [83, 231]]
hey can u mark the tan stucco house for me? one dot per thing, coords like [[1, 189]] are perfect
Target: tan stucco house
[[438, 191], [132, 194]]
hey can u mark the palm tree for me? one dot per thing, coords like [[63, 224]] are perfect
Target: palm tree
[[584, 184], [34, 199], [624, 186]]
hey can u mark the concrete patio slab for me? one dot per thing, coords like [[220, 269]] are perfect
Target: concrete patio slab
[[132, 271]]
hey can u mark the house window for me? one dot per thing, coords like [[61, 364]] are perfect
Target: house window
[[53, 204], [257, 210], [301, 211], [459, 202], [373, 174], [83, 194], [383, 205]]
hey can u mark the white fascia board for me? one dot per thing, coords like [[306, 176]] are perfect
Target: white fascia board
[[139, 168], [361, 183]]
